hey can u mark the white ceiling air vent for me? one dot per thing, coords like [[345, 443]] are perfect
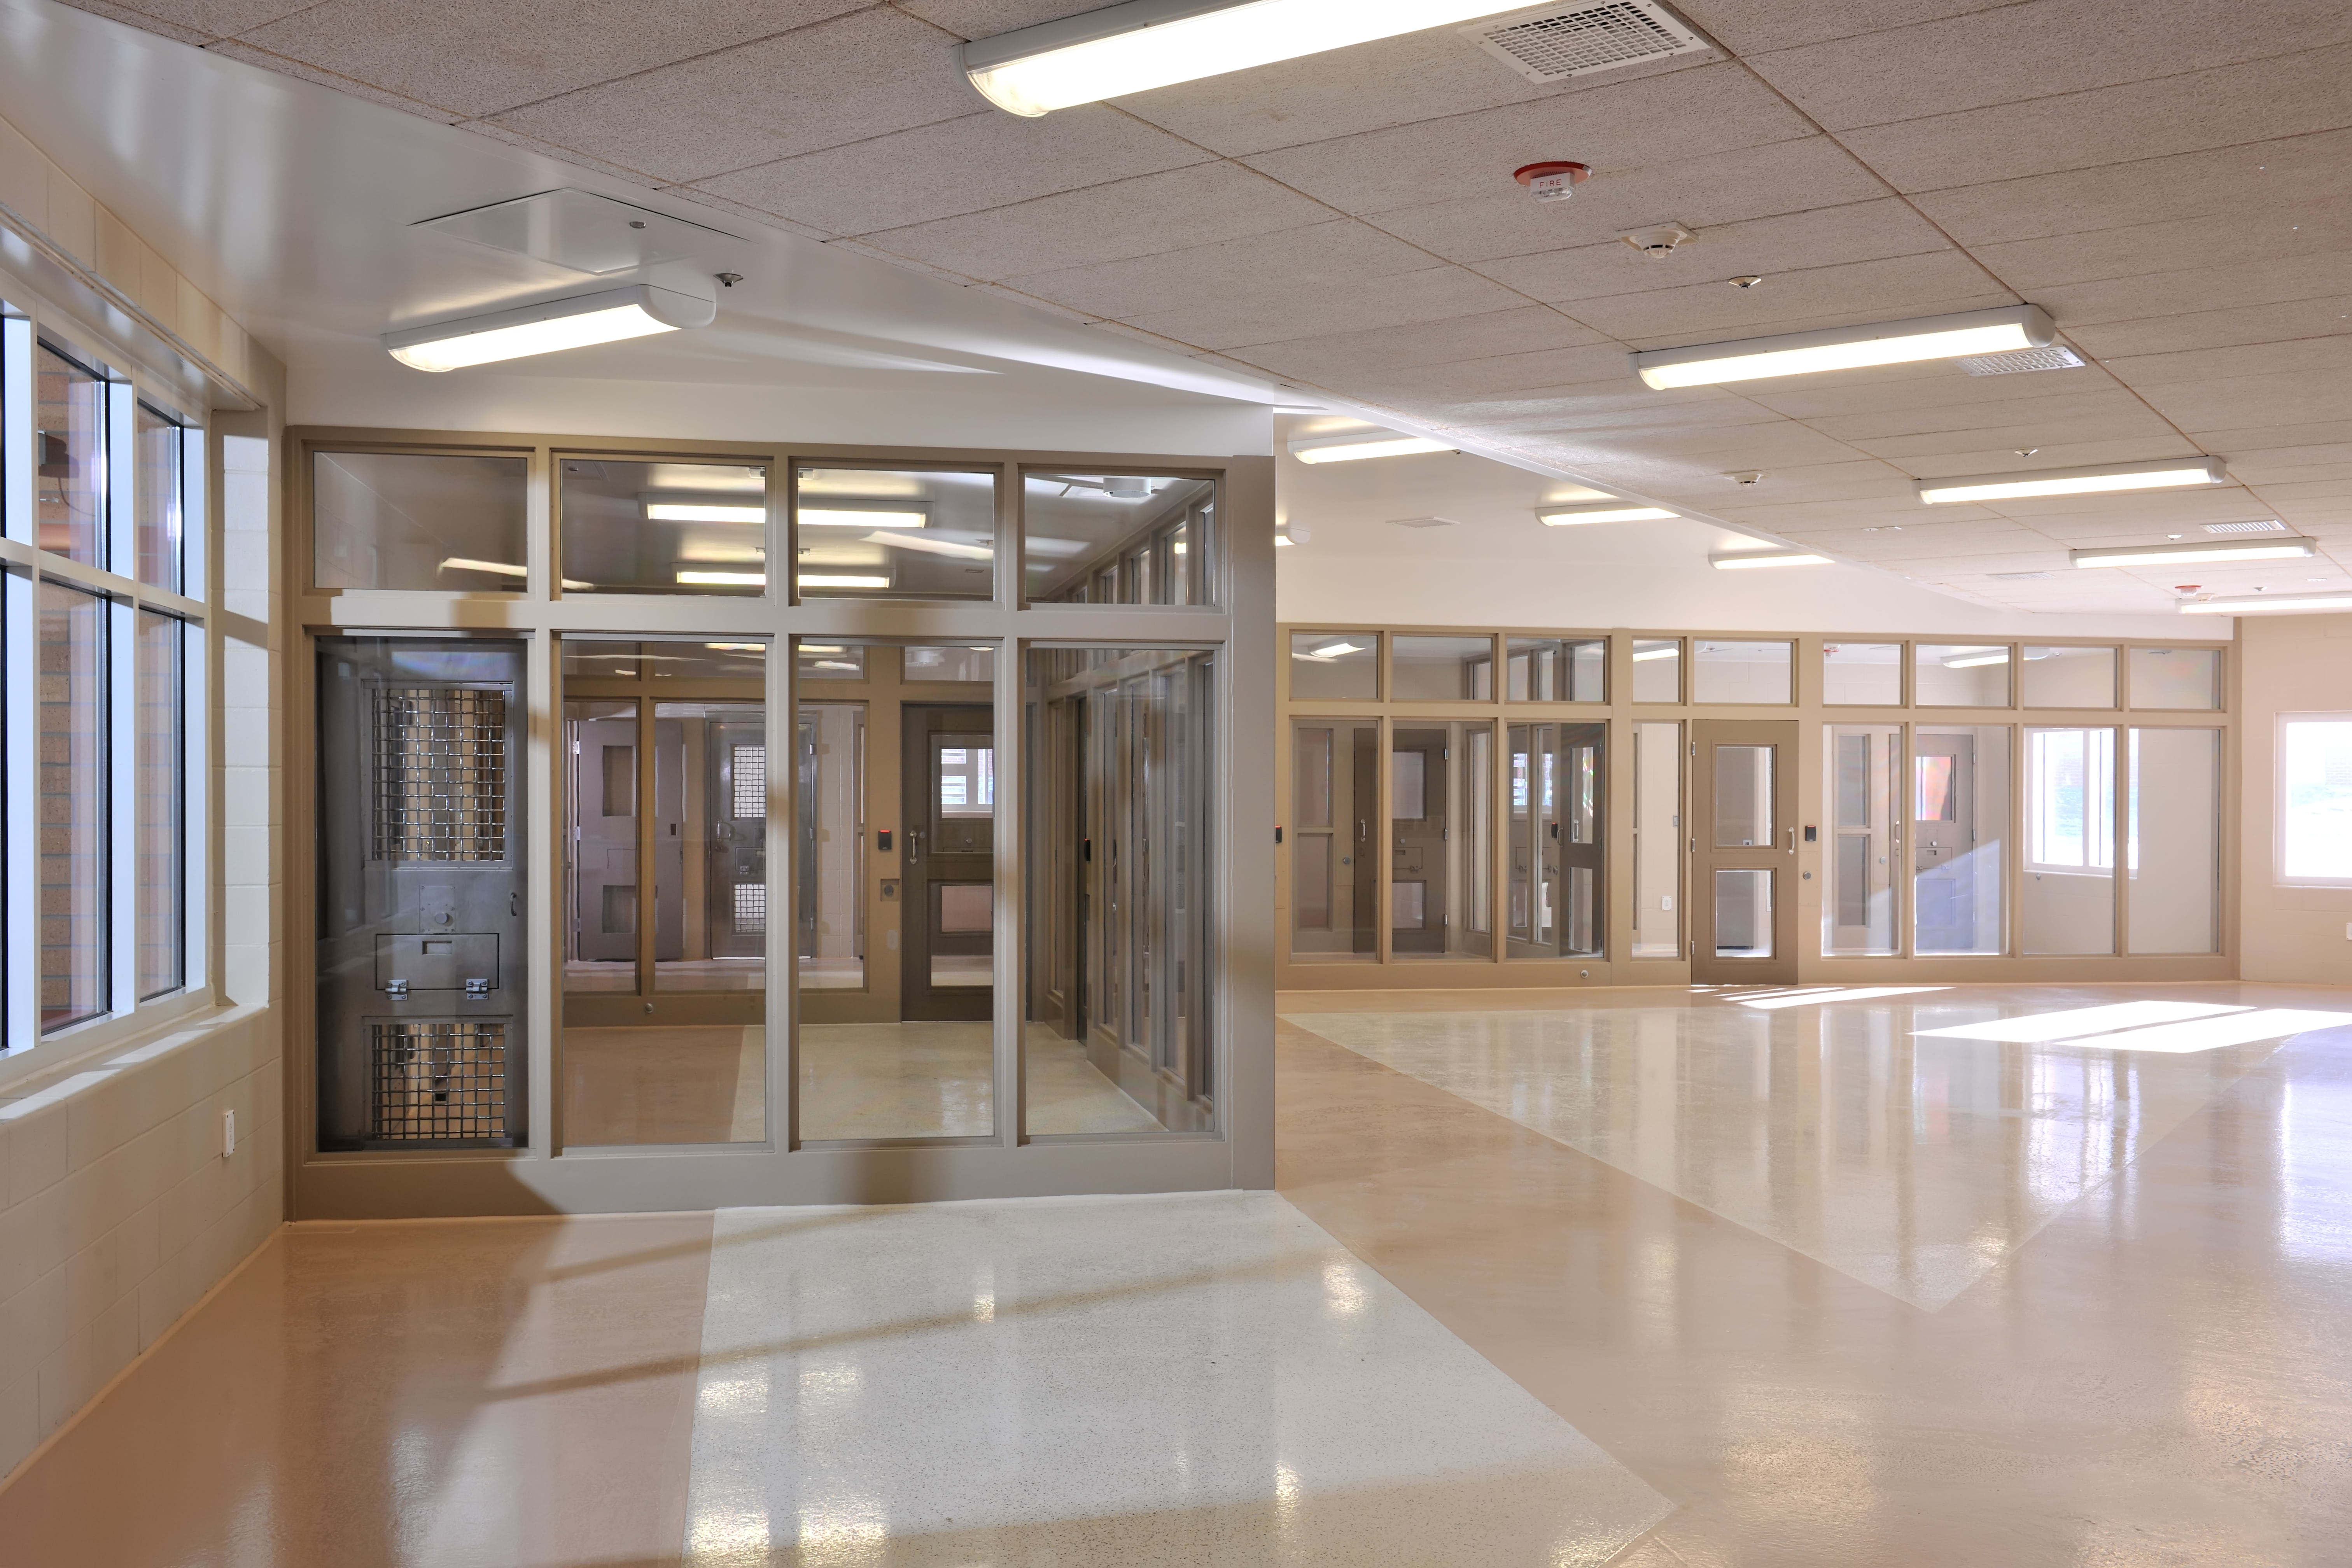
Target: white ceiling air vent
[[2271, 526], [1560, 41], [2057, 356]]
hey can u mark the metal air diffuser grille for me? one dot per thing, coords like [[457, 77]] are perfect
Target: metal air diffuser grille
[[1559, 42]]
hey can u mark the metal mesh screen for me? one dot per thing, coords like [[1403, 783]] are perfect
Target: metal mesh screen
[[438, 1079], [1588, 37], [751, 779], [440, 774]]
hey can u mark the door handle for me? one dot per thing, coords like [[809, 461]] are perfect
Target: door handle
[[1793, 841]]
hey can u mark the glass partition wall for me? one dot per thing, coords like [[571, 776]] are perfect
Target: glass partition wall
[[982, 902], [1947, 805]]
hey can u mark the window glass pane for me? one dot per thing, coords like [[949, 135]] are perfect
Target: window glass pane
[[1150, 535], [829, 661], [1334, 880], [1557, 836], [951, 664], [661, 528], [909, 533], [1971, 675], [667, 896], [894, 907], [1335, 666], [1458, 669], [1657, 839], [2315, 800], [1865, 779], [1438, 831], [1557, 669], [2175, 677], [409, 519], [2174, 853], [2068, 903], [163, 807], [1117, 1037], [1862, 674], [70, 460], [1739, 672], [1959, 821], [158, 496], [73, 801], [1657, 669], [1743, 797], [1743, 914], [2069, 677]]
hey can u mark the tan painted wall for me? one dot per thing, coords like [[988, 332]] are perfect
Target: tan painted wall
[[2291, 664]]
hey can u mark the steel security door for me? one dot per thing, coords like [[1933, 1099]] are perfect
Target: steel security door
[[1744, 854]]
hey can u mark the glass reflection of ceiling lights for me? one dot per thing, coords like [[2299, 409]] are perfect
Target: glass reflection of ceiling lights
[[662, 526], [920, 533], [1099, 538]]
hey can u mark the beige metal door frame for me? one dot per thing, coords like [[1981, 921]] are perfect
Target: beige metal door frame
[[1726, 755]]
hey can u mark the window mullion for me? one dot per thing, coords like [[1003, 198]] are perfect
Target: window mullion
[[120, 768]]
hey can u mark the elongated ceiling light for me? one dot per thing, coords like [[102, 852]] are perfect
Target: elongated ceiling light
[[1355, 448], [1334, 649], [1146, 43], [703, 512], [2267, 605], [2273, 549], [2172, 473], [499, 569], [839, 580], [1644, 654], [1976, 658], [607, 316], [1849, 348], [924, 542], [842, 517], [1606, 511], [724, 579], [1744, 560]]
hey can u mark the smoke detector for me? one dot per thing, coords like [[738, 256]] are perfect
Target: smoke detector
[[1554, 181], [1553, 43], [1658, 243]]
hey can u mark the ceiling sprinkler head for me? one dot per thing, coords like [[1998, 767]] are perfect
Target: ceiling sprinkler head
[[1554, 181], [1659, 242], [1747, 281], [2025, 451], [727, 279]]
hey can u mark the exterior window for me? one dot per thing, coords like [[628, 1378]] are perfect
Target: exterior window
[[73, 808], [159, 500], [70, 460], [162, 806], [2315, 842], [2070, 785]]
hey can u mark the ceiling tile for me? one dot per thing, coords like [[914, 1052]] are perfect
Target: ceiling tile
[[2300, 274], [1519, 333], [1926, 388], [1202, 205], [1767, 247], [959, 166], [2293, 319], [1886, 289], [2326, 356], [1288, 304], [1498, 376], [1754, 27], [178, 31], [2037, 50], [2094, 403], [205, 18], [1681, 115], [2283, 465], [865, 74], [2229, 105], [2203, 404], [478, 59], [1704, 194], [2200, 246], [986, 18], [236, 50], [1324, 255]]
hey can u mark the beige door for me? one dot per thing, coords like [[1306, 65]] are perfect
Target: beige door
[[1744, 853]]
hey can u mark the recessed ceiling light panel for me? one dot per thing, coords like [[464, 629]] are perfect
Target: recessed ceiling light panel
[[1848, 348]]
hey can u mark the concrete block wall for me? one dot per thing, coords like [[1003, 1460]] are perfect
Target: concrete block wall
[[123, 1206]]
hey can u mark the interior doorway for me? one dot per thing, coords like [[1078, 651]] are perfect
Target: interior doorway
[[1744, 853], [948, 766]]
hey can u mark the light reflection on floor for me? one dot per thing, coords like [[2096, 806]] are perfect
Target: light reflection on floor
[[1870, 1134]]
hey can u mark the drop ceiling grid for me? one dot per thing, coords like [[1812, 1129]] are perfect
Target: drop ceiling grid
[[1876, 160]]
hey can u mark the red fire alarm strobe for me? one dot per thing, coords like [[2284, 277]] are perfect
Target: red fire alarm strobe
[[1554, 182]]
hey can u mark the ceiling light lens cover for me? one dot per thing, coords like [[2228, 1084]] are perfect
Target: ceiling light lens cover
[[2187, 554], [1354, 448], [1848, 348], [2168, 474], [609, 315], [1606, 511], [1147, 44]]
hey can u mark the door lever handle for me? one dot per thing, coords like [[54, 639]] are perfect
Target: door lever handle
[[1793, 841]]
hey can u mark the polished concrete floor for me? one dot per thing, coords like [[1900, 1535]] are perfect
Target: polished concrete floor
[[1905, 1275]]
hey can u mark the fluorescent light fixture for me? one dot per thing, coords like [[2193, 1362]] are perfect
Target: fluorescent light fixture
[[736, 647], [1741, 561], [1848, 348], [2172, 473], [2268, 604], [1667, 650], [1607, 512], [1976, 658], [833, 664], [724, 579], [607, 316], [499, 568], [1147, 44], [925, 543], [838, 517], [1333, 650], [836, 579], [703, 512], [823, 648], [2272, 549], [1355, 448]]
